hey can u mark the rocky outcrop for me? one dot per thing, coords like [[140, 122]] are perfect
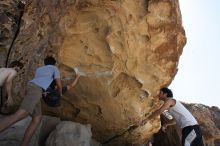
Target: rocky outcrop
[[11, 12], [126, 50], [209, 120], [50, 132], [48, 124], [14, 134], [69, 133]]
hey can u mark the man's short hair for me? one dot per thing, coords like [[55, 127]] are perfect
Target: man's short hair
[[16, 63], [49, 60], [167, 91]]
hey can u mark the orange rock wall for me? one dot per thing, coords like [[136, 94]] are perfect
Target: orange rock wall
[[127, 50]]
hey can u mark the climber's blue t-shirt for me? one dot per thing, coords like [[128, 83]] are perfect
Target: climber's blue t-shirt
[[45, 75]]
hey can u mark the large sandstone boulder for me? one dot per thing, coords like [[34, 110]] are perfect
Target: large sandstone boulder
[[126, 50]]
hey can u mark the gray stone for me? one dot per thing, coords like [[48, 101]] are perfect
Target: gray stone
[[14, 134], [68, 133]]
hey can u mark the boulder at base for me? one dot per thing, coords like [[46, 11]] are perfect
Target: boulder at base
[[68, 133]]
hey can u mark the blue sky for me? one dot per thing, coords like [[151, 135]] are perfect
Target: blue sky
[[198, 78]]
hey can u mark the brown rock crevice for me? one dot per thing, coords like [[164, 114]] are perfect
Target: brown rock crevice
[[10, 17]]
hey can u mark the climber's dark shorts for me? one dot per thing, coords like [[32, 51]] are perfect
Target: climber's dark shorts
[[31, 102], [192, 136]]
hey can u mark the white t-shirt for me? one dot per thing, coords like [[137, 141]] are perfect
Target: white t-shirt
[[182, 116], [6, 73]]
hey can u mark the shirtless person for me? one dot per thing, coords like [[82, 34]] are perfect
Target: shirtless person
[[6, 77]]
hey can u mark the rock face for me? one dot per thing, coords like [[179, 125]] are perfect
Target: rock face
[[13, 135], [10, 15], [69, 133], [126, 50], [51, 132], [48, 124], [207, 117]]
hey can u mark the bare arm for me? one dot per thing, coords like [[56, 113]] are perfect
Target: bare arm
[[167, 104], [73, 84], [8, 84]]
